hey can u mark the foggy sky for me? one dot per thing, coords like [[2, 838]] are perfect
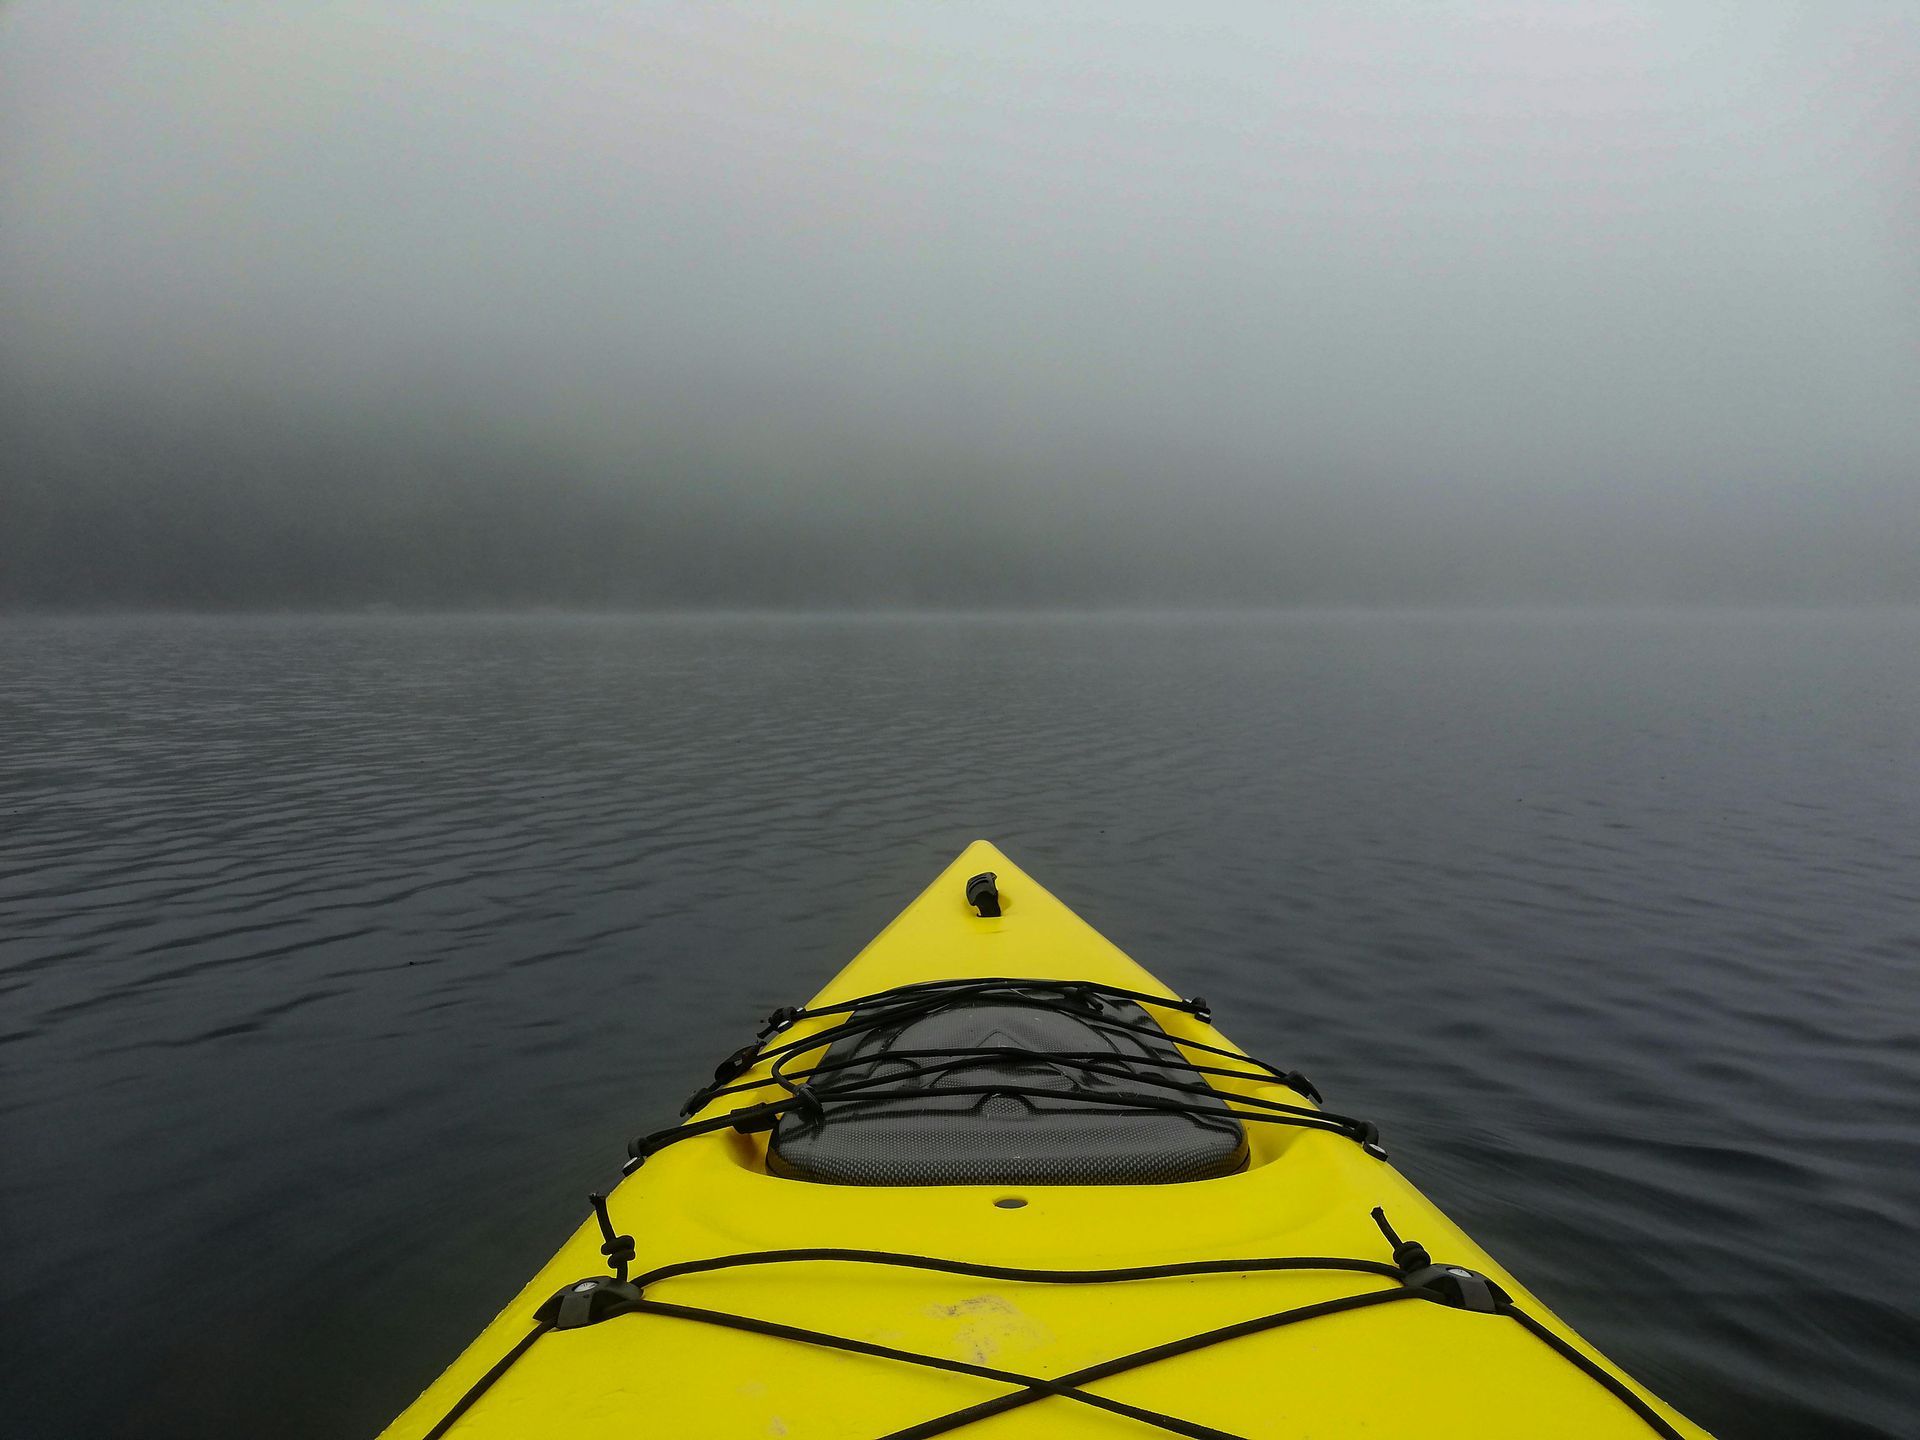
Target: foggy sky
[[315, 304]]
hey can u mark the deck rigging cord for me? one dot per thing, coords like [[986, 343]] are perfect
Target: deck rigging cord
[[808, 1091], [1412, 1272], [599, 1299]]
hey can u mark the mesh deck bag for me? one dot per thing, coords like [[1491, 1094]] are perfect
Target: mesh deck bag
[[936, 1137]]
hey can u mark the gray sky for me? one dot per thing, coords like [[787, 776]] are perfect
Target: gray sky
[[959, 303]]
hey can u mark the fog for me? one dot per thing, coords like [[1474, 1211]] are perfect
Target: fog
[[958, 305]]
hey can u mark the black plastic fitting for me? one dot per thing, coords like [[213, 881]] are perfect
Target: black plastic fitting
[[983, 894]]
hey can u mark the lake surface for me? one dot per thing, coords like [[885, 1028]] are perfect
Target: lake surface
[[340, 957]]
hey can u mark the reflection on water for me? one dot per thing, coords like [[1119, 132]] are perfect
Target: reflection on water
[[340, 957]]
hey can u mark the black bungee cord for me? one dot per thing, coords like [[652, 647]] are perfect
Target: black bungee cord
[[895, 1008], [1412, 1273]]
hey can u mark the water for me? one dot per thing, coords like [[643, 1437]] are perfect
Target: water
[[340, 957]]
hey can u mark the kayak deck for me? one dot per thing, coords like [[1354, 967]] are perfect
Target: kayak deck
[[1431, 1369]]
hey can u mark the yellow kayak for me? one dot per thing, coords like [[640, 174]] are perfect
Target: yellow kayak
[[996, 1180]]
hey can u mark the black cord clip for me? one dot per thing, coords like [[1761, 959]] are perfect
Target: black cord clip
[[588, 1302], [1453, 1285], [808, 1103], [736, 1064], [752, 1119], [1198, 1008], [1299, 1084], [779, 1020], [1457, 1286]]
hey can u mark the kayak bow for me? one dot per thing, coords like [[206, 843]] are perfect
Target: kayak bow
[[995, 1178]]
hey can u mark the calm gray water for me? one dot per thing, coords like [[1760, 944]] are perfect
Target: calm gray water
[[340, 957]]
